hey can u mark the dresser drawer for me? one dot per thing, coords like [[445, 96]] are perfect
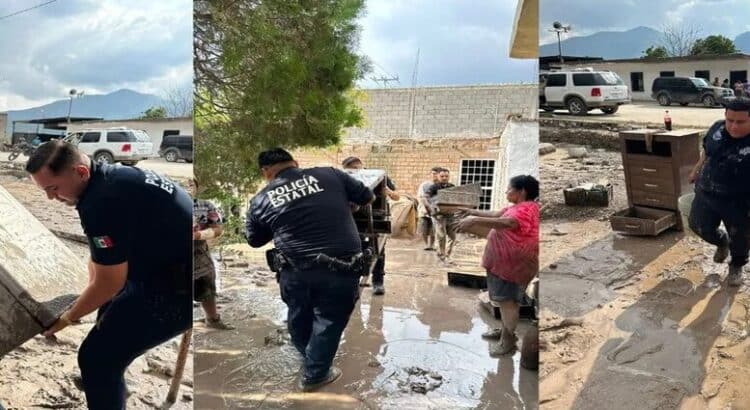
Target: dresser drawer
[[654, 199], [642, 221], [649, 168], [660, 184]]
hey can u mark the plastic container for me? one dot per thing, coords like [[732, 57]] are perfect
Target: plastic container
[[684, 204]]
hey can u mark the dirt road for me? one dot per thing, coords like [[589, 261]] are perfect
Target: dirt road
[[653, 113], [421, 329], [41, 374], [633, 322]]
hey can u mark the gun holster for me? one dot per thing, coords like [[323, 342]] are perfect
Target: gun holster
[[276, 261]]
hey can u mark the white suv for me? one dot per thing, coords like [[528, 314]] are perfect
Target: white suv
[[581, 90], [111, 145]]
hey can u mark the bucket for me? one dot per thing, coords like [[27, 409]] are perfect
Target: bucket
[[684, 203]]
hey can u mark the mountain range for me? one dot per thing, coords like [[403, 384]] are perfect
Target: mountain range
[[619, 44], [117, 105]]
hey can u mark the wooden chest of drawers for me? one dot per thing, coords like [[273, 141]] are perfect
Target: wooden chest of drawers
[[657, 165]]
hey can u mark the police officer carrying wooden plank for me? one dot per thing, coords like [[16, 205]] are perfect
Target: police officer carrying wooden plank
[[138, 226], [308, 215], [722, 188]]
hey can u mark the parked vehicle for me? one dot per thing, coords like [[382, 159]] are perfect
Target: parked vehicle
[[687, 90], [176, 147], [109, 145], [582, 90]]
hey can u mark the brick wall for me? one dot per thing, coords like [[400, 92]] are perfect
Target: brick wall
[[439, 112], [407, 162]]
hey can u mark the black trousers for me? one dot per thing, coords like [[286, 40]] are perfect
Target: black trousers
[[320, 303], [709, 211], [134, 321]]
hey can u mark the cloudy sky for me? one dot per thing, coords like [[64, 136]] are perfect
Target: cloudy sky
[[726, 17], [460, 41], [97, 46]]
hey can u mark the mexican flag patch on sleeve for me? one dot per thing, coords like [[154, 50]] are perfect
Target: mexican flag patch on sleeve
[[103, 242]]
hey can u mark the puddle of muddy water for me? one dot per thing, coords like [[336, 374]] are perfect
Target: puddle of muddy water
[[420, 323]]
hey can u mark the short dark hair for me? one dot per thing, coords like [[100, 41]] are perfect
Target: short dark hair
[[526, 183], [738, 104], [349, 160], [56, 154], [435, 169], [273, 156], [444, 170]]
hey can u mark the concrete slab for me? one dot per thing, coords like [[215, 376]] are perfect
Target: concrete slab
[[39, 275]]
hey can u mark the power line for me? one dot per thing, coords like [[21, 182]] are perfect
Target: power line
[[25, 10]]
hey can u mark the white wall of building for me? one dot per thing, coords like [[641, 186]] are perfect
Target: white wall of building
[[651, 69], [519, 155], [4, 138], [154, 128]]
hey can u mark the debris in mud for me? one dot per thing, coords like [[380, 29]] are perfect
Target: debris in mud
[[374, 363], [725, 355], [156, 366], [187, 397], [238, 265], [420, 380], [558, 232], [277, 337], [554, 324], [546, 148]]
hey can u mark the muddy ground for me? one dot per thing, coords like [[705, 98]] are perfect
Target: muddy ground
[[416, 347], [629, 322], [41, 374]]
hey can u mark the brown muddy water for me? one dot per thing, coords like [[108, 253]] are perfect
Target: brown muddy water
[[416, 347]]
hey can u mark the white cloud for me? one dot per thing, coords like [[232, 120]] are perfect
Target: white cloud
[[460, 41], [96, 46]]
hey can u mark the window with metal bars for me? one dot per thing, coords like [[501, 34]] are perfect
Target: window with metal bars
[[481, 171]]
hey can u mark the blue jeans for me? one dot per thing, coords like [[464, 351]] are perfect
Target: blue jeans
[[709, 211], [133, 322], [320, 303]]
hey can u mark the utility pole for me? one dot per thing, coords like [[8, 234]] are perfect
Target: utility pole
[[72, 93], [385, 80], [558, 28], [413, 103]]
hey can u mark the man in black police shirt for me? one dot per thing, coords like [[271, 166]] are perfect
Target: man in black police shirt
[[722, 188], [139, 229], [308, 212]]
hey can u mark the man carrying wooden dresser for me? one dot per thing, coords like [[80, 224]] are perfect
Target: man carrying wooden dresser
[[722, 190]]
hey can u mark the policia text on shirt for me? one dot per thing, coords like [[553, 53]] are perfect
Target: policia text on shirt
[[307, 214], [138, 226]]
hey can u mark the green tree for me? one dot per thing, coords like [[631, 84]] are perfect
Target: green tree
[[713, 45], [655, 52], [270, 73], [154, 113]]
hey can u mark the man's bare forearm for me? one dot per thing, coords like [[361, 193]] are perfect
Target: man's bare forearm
[[100, 290]]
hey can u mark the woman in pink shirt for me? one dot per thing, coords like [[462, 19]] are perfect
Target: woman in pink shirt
[[511, 256]]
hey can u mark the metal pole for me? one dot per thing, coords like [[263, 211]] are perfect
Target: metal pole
[[559, 47], [70, 106]]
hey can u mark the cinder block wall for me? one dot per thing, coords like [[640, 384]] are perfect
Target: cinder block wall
[[439, 112], [407, 162]]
